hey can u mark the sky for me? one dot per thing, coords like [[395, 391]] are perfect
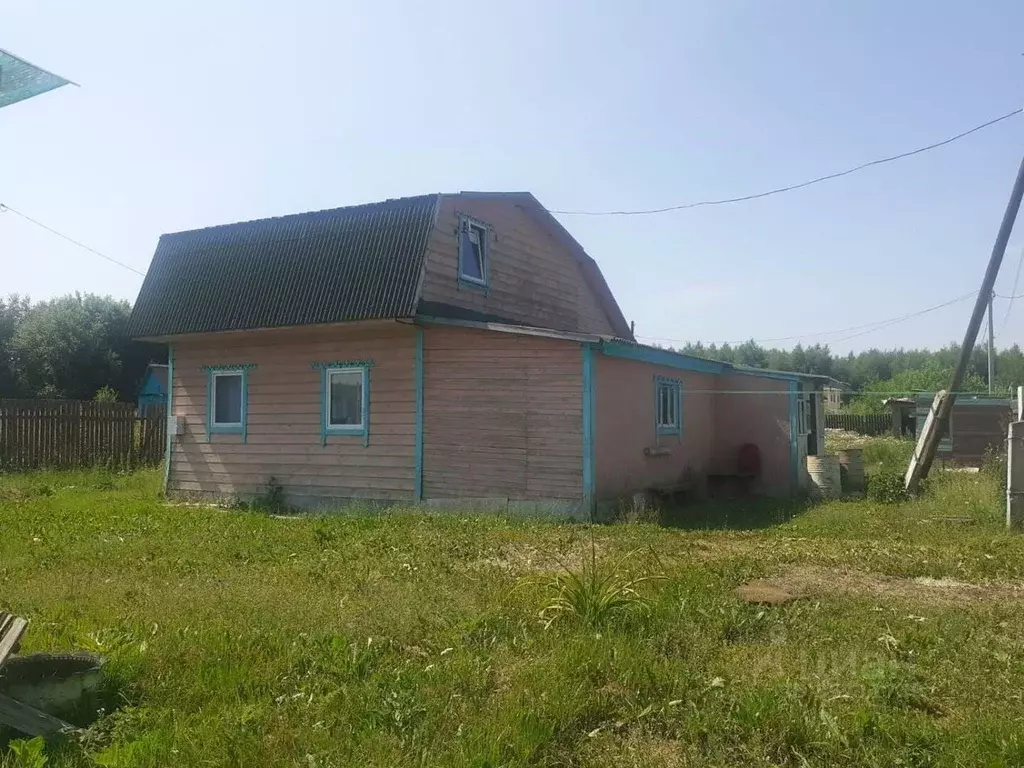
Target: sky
[[197, 113]]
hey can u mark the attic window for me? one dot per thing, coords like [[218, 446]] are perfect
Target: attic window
[[473, 253]]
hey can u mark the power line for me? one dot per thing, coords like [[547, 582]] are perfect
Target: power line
[[877, 325], [4, 207], [1016, 278], [802, 184]]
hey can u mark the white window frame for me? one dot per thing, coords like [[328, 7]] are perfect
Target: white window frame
[[347, 429], [227, 425], [468, 226]]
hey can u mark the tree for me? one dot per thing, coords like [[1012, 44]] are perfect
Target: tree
[[73, 346], [12, 311]]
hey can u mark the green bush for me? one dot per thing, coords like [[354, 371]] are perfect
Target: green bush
[[887, 454], [886, 487]]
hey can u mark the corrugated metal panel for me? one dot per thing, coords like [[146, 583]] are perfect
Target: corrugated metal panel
[[356, 263]]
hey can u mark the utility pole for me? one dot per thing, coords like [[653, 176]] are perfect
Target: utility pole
[[927, 444], [991, 364]]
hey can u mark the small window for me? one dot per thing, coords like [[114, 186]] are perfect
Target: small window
[[667, 402], [473, 254], [345, 397], [226, 400], [345, 401]]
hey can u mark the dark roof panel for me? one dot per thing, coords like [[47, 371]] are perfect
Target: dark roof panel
[[357, 263]]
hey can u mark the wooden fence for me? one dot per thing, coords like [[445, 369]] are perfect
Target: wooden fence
[[71, 434], [863, 424]]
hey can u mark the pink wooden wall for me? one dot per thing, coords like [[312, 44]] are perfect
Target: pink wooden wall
[[502, 417], [534, 280], [624, 427], [760, 416], [284, 415]]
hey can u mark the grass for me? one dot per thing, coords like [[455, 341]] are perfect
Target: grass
[[240, 639]]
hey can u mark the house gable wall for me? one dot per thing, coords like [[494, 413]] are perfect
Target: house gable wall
[[533, 280]]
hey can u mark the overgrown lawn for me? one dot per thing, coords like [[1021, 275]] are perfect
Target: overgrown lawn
[[236, 638]]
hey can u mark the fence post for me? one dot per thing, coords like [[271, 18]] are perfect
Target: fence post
[[1015, 477]]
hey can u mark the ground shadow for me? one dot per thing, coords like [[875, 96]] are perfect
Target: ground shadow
[[732, 514]]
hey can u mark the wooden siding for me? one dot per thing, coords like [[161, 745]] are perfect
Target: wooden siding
[[755, 409], [532, 279], [284, 410], [624, 427], [502, 416]]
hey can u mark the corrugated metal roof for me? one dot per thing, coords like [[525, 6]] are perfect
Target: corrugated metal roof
[[356, 263]]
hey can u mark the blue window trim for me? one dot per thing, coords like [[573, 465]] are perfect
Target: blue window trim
[[466, 281], [348, 430], [227, 429], [677, 391]]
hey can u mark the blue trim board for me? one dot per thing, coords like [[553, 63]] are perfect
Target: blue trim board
[[588, 428], [419, 414], [169, 415], [662, 357], [794, 448]]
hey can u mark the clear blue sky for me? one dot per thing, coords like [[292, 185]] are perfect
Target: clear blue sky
[[197, 113]]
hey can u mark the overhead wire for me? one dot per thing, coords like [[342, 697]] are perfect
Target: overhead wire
[[801, 185], [876, 325], [1016, 279], [4, 207]]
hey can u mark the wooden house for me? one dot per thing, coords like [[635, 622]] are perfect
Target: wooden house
[[455, 349]]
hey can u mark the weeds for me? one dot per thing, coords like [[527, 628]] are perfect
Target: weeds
[[594, 594], [886, 487]]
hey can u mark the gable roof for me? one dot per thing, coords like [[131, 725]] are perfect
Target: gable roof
[[591, 272], [362, 262]]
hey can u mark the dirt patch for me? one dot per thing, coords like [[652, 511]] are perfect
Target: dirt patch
[[523, 558], [762, 592], [819, 581]]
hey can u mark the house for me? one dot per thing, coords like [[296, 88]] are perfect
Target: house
[[451, 349], [977, 426], [154, 388], [832, 395]]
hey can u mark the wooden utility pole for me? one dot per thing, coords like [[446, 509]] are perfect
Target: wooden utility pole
[[928, 442]]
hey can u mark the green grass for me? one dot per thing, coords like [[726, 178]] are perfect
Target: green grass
[[238, 639]]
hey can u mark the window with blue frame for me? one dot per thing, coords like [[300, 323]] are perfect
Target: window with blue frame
[[226, 400], [474, 253], [667, 406], [346, 400]]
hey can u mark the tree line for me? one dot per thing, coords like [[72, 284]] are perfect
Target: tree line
[[875, 374], [71, 347], [74, 346]]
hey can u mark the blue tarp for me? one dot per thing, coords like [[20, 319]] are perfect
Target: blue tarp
[[20, 80]]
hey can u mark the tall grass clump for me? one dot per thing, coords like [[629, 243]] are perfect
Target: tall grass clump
[[595, 593]]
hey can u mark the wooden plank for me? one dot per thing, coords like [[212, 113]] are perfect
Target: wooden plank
[[13, 627], [29, 720]]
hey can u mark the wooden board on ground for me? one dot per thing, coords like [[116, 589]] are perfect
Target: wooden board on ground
[[11, 629], [29, 720]]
